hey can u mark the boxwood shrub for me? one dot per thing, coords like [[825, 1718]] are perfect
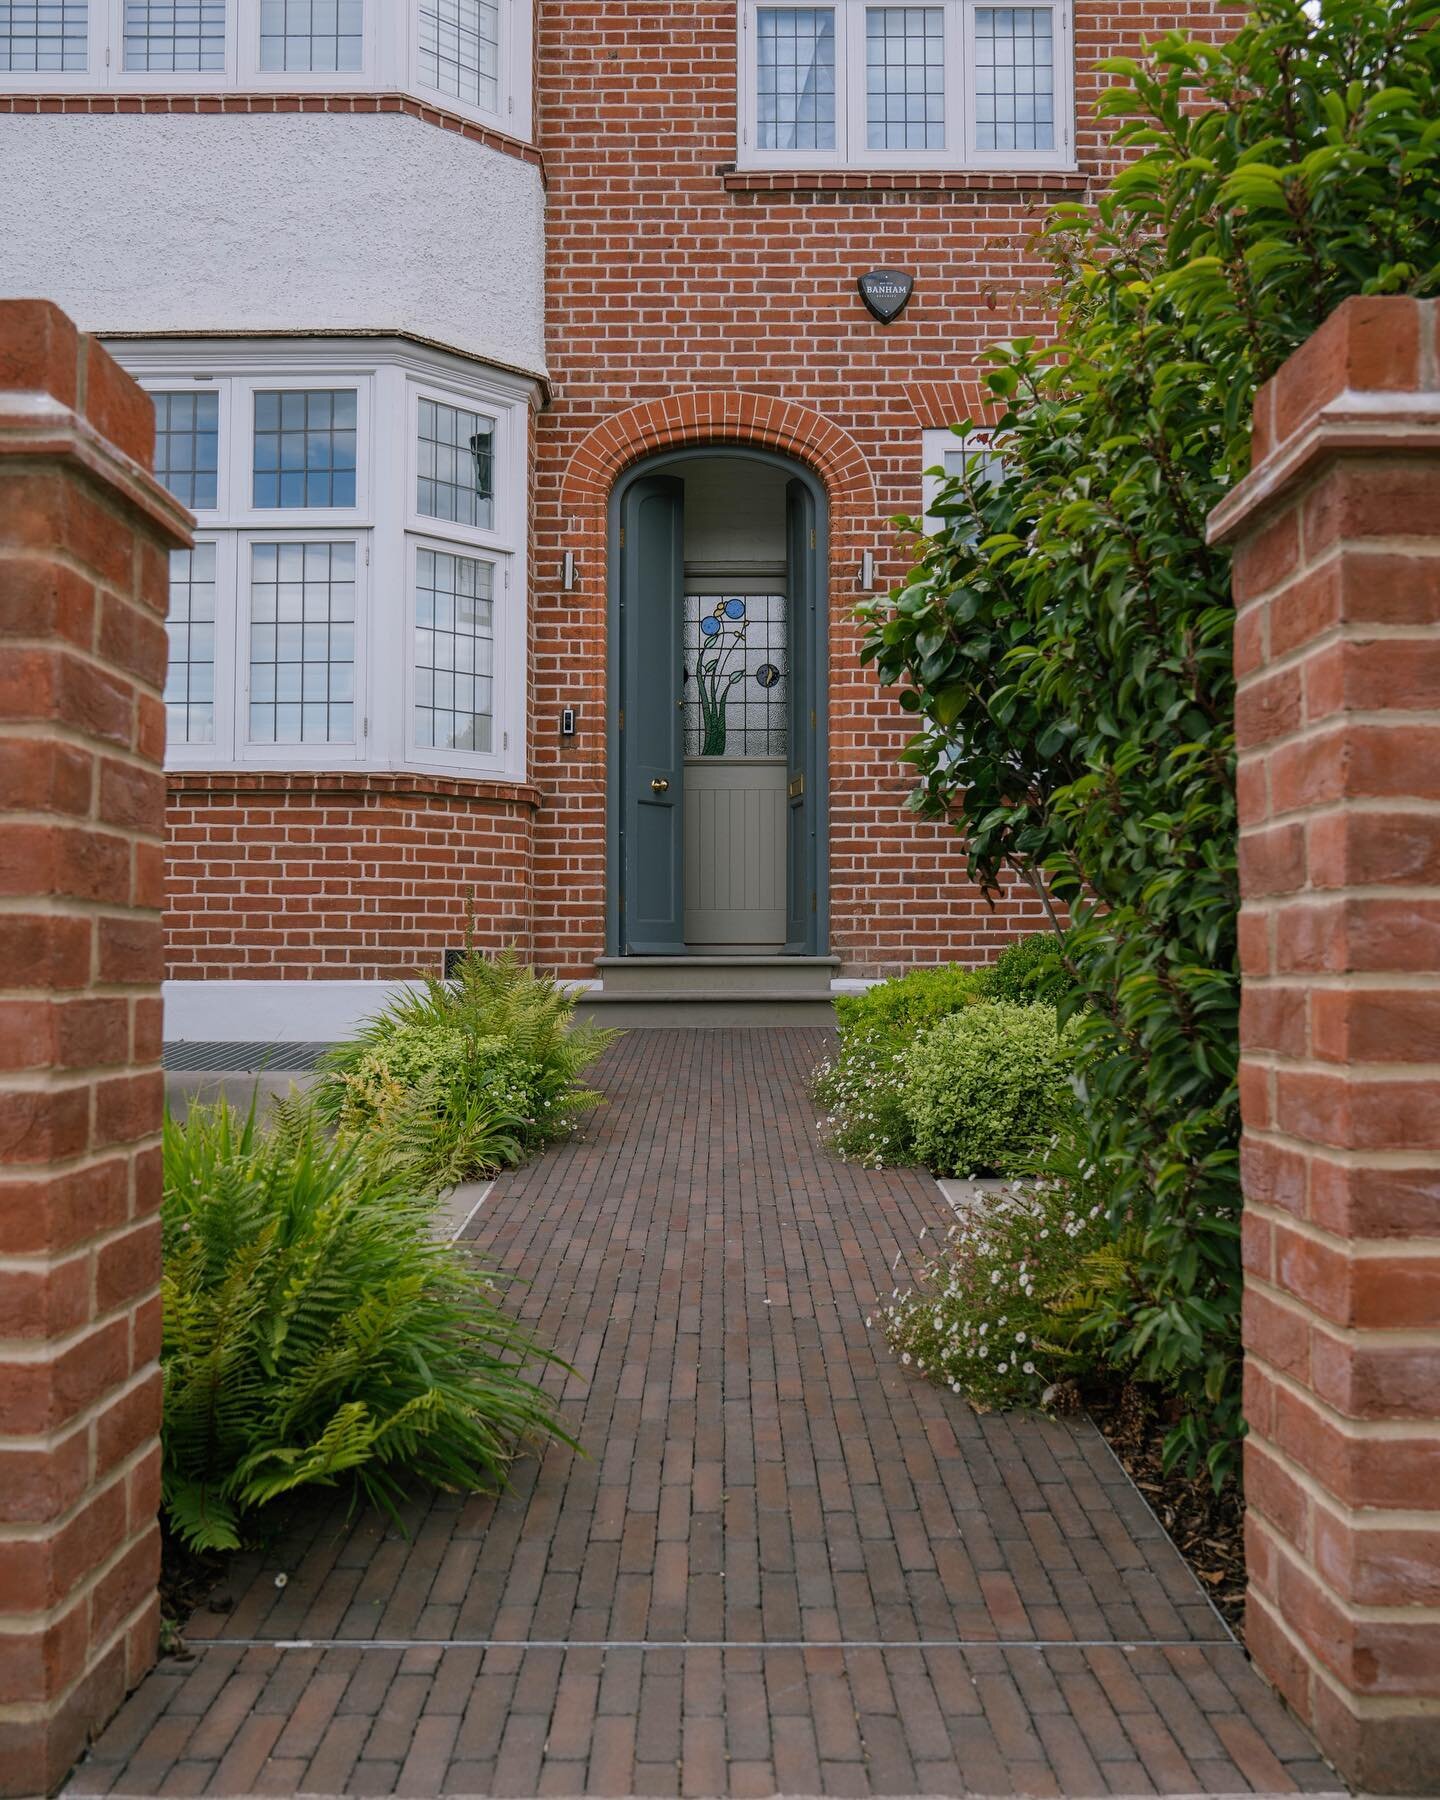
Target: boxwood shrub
[[861, 1087], [985, 1090]]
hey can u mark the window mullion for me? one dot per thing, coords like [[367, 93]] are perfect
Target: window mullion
[[749, 75], [851, 128], [227, 633], [958, 104]]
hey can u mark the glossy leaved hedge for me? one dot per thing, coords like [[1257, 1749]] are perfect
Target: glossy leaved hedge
[[1065, 639]]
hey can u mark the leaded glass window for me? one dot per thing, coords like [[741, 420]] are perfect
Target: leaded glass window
[[796, 75], [454, 651], [460, 50], [190, 626], [873, 83], [175, 35], [44, 37], [302, 643], [1014, 78], [305, 447], [736, 694], [187, 446], [312, 37], [905, 77], [457, 465], [947, 456]]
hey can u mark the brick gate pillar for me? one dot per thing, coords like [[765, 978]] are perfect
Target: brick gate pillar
[[1337, 651], [84, 537]]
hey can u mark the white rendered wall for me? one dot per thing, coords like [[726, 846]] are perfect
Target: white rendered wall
[[261, 222]]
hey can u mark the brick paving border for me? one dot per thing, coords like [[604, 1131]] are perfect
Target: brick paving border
[[785, 1565]]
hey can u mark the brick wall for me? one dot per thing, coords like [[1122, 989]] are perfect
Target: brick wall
[[321, 876], [83, 536], [1337, 649], [668, 276]]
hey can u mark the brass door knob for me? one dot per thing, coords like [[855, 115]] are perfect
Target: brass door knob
[[659, 785]]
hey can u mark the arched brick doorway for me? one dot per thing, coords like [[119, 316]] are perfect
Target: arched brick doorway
[[570, 625]]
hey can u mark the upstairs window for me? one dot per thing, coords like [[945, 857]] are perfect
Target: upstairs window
[[796, 77], [312, 37], [459, 48], [952, 84], [44, 37], [471, 56], [174, 35]]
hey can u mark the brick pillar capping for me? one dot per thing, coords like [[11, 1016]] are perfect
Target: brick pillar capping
[[1337, 654], [84, 537]]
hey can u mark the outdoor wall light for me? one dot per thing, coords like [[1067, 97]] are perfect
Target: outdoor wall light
[[567, 571], [867, 570]]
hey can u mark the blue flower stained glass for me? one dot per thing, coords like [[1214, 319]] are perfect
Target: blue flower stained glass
[[731, 641]]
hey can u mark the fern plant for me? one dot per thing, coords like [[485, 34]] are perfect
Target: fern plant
[[462, 1077], [315, 1331]]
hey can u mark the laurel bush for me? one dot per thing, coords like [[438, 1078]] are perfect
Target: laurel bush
[[1065, 639]]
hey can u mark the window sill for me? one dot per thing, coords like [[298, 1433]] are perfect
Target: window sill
[[237, 782], [274, 101], [906, 181]]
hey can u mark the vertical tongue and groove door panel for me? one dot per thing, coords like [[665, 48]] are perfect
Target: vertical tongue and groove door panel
[[652, 578]]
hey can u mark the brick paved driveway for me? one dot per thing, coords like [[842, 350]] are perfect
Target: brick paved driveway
[[786, 1566]]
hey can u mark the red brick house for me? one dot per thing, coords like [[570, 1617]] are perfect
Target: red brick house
[[541, 442]]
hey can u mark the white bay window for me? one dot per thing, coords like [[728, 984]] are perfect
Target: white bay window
[[355, 596], [470, 56], [863, 85]]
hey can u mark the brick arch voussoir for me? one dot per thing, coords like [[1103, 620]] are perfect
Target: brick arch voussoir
[[720, 417]]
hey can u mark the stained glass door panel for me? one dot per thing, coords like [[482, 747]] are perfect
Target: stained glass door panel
[[736, 698]]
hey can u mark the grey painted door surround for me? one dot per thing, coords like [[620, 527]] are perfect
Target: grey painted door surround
[[646, 902]]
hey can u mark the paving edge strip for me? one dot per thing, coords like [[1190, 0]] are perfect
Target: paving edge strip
[[1128, 1645], [1237, 1794], [461, 1204]]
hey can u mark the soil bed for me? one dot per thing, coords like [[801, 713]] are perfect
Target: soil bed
[[1207, 1528]]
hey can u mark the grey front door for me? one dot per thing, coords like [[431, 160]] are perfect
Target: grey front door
[[652, 576], [800, 924]]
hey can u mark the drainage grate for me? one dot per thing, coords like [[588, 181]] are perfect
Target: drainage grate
[[246, 1059]]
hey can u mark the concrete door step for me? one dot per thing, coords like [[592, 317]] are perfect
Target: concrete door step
[[726, 977], [702, 1009]]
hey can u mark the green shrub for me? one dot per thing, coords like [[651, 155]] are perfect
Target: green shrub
[[1065, 641], [1027, 971], [464, 1076], [861, 1086], [433, 1136], [988, 1088], [907, 1003], [1008, 1306], [315, 1330]]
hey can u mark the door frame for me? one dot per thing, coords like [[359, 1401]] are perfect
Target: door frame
[[816, 646]]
